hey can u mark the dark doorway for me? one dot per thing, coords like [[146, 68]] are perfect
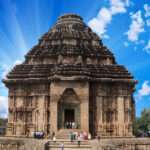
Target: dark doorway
[[69, 115]]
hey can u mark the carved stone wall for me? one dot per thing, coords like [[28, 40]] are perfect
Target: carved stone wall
[[28, 109], [114, 109]]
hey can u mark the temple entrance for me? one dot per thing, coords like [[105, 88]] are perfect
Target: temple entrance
[[69, 111], [68, 116]]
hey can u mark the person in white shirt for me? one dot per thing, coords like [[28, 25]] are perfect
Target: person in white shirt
[[62, 146]]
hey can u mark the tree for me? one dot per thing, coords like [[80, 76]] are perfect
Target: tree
[[3, 122], [142, 124]]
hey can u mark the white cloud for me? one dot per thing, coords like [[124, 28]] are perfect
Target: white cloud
[[3, 100], [117, 6], [2, 85], [145, 90], [136, 27], [17, 62], [104, 17], [147, 47], [147, 10], [128, 2], [106, 36], [99, 23], [3, 106], [7, 67], [147, 14], [148, 22]]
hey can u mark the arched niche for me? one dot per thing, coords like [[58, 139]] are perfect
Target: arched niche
[[69, 110]]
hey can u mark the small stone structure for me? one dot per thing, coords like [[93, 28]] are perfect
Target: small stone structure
[[122, 144], [9, 144], [70, 80], [2, 130]]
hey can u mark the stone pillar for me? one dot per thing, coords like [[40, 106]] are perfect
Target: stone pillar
[[41, 108], [99, 113], [129, 115], [53, 115], [121, 115], [85, 114], [55, 92]]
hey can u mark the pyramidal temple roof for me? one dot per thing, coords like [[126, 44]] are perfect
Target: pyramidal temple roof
[[69, 36], [69, 50]]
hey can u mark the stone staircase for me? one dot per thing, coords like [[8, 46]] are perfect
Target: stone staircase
[[68, 145], [64, 133], [63, 137]]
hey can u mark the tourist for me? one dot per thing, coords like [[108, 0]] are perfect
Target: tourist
[[62, 146], [79, 140], [28, 132], [89, 136], [70, 125], [54, 139], [98, 137], [71, 136], [53, 134], [73, 124], [81, 136], [76, 135], [85, 135], [67, 124]]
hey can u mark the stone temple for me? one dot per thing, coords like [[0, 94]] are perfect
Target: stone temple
[[70, 81]]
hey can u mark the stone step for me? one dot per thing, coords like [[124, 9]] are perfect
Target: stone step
[[66, 141], [84, 145], [64, 133], [70, 148], [69, 143]]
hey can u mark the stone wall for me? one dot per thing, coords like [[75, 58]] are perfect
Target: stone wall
[[115, 109], [124, 144], [7, 144], [108, 108], [28, 109]]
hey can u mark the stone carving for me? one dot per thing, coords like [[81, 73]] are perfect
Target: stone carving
[[70, 56]]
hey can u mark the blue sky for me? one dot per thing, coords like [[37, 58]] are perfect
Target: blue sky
[[123, 25]]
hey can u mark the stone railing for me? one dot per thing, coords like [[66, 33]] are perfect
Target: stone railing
[[18, 143], [126, 147], [11, 145], [125, 144]]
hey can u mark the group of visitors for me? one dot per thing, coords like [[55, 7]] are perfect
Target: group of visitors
[[74, 136], [79, 136], [38, 134], [71, 125]]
